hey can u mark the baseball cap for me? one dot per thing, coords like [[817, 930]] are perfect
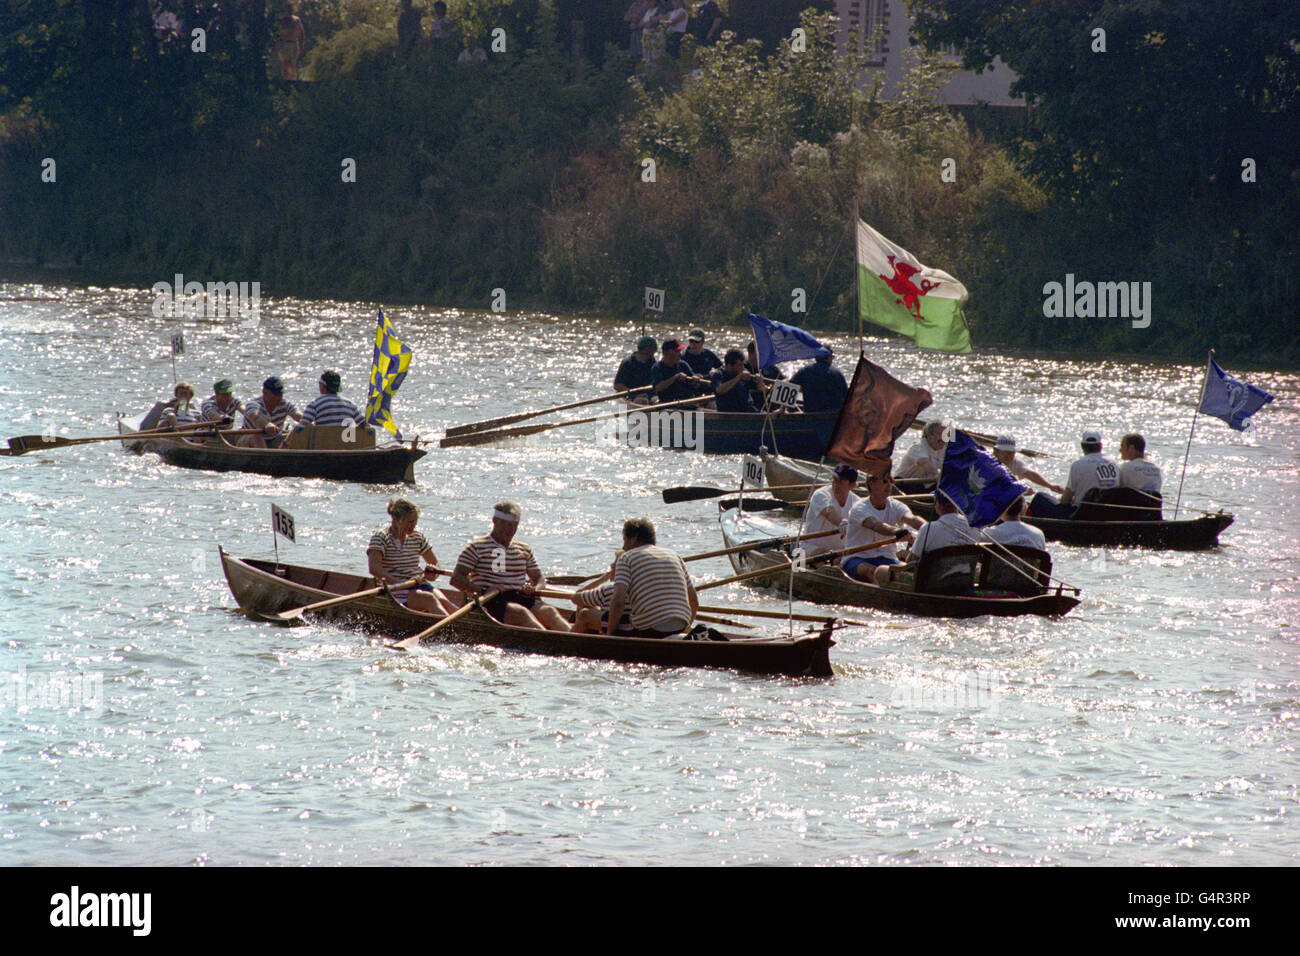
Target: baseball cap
[[223, 387], [846, 473], [1005, 443], [696, 335], [646, 342], [274, 385], [672, 344], [331, 380], [1090, 436]]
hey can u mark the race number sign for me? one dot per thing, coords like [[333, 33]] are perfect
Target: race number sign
[[786, 394], [751, 472], [178, 343], [654, 299], [282, 523]]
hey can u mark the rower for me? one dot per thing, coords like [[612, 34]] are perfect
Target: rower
[[949, 529], [1011, 531], [499, 561], [925, 458], [701, 360], [1005, 452], [672, 378], [1089, 476], [730, 385], [181, 409], [824, 388], [877, 520], [757, 387], [1137, 471], [636, 370], [329, 408], [828, 510], [592, 598], [222, 406], [268, 413], [652, 584], [394, 555]]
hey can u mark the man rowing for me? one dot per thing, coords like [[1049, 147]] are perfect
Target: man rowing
[[1005, 452], [1137, 471], [651, 583], [1089, 476], [498, 561], [824, 388], [672, 378], [757, 387], [702, 361], [1011, 531], [949, 529], [828, 510], [181, 410], [637, 369], [329, 408], [731, 385], [394, 554], [925, 458], [222, 406], [877, 520], [268, 414]]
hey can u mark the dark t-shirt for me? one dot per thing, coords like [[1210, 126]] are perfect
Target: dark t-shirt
[[702, 364], [633, 373], [735, 400], [824, 388], [708, 12], [677, 390]]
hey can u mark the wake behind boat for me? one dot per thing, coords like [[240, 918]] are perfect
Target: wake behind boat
[[263, 588]]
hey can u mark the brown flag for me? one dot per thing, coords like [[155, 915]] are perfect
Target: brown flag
[[877, 410]]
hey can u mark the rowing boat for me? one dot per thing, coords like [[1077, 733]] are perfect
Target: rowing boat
[[830, 585], [781, 471], [1188, 534], [263, 587], [303, 456], [727, 433]]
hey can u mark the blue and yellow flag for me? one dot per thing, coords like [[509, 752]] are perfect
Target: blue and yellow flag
[[387, 370]]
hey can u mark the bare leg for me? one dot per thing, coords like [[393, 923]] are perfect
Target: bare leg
[[587, 621], [519, 616], [425, 601], [882, 573], [551, 617]]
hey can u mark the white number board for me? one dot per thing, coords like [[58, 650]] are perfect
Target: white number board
[[786, 394], [751, 472], [282, 522], [654, 299]]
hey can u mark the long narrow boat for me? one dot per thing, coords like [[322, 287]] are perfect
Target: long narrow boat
[[830, 585], [780, 471], [727, 433], [1188, 534], [385, 465], [263, 587]]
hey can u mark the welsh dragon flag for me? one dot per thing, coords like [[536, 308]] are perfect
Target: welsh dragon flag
[[896, 291]]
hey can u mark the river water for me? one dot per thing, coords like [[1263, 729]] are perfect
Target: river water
[[144, 720]]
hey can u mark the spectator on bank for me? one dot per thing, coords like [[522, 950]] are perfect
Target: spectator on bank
[[635, 14], [443, 30], [408, 29], [708, 23], [289, 39], [675, 24], [473, 54]]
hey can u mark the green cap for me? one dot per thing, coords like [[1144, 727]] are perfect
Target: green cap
[[223, 387], [331, 380], [646, 342]]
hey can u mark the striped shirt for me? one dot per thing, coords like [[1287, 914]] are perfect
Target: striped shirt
[[401, 558], [496, 566], [595, 597], [658, 588], [211, 411], [186, 414], [258, 407], [331, 409]]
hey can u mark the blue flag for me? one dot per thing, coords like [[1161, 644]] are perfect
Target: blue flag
[[1228, 399], [778, 342], [976, 482], [387, 371]]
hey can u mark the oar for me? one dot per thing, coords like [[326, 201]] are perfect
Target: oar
[[482, 438], [411, 642], [765, 543], [293, 614], [22, 444], [521, 416], [781, 568], [699, 492], [988, 441]]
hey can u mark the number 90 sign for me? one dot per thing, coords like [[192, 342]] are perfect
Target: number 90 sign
[[654, 299]]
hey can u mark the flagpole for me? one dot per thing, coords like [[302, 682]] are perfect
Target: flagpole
[[857, 282], [1191, 432]]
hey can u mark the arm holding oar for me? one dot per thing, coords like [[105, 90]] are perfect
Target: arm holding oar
[[412, 642]]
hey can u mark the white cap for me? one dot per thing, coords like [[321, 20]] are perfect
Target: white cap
[[1005, 443], [1090, 436]]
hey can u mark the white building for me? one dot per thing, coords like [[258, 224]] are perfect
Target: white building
[[881, 29]]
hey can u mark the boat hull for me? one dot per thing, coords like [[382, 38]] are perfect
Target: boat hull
[[729, 433], [374, 465], [260, 590], [782, 470], [830, 585], [1187, 535]]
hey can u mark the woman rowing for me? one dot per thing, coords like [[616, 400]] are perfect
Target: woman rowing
[[394, 554]]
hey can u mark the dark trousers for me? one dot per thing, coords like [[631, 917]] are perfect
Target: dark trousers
[[1044, 506]]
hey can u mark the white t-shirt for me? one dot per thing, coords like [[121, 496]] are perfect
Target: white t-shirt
[[921, 451], [1140, 474], [945, 531], [1094, 470], [893, 513], [1017, 533], [822, 499], [1017, 467]]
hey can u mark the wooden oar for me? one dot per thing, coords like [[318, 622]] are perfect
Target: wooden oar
[[414, 641], [781, 568], [765, 543], [482, 438], [815, 618], [22, 444], [988, 441], [699, 492], [490, 423], [293, 614]]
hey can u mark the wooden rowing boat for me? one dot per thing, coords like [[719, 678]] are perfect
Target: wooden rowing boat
[[263, 587], [830, 585], [728, 433], [379, 465], [781, 471], [1188, 534]]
